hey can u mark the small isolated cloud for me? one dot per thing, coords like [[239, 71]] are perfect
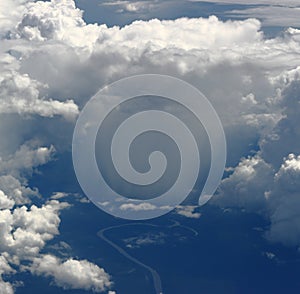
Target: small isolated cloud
[[72, 273], [5, 268], [59, 195], [144, 206], [188, 211], [25, 228], [270, 255], [146, 239], [131, 6], [5, 202], [138, 207]]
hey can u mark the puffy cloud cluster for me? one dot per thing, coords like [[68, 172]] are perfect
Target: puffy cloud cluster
[[188, 211], [72, 274], [5, 268], [269, 182], [13, 171], [59, 20], [284, 199], [131, 6], [246, 186], [49, 55], [20, 94], [25, 229]]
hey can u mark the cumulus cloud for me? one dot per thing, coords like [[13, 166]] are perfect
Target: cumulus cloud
[[25, 159], [5, 202], [131, 6], [15, 168], [20, 94], [50, 55], [268, 182], [284, 199], [72, 274], [59, 20], [146, 239], [138, 207], [6, 288], [24, 231], [252, 72], [8, 21], [5, 268], [246, 186], [188, 211], [17, 190]]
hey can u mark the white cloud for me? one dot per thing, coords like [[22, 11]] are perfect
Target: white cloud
[[144, 206], [72, 274], [138, 207], [10, 13], [16, 190], [20, 94], [5, 202], [252, 81], [15, 167], [59, 20], [246, 186], [5, 268], [188, 211], [25, 159], [24, 231], [284, 199], [6, 288], [59, 195]]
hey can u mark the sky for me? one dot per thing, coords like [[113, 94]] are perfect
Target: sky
[[244, 56]]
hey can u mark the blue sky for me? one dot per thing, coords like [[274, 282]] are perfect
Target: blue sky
[[242, 55]]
